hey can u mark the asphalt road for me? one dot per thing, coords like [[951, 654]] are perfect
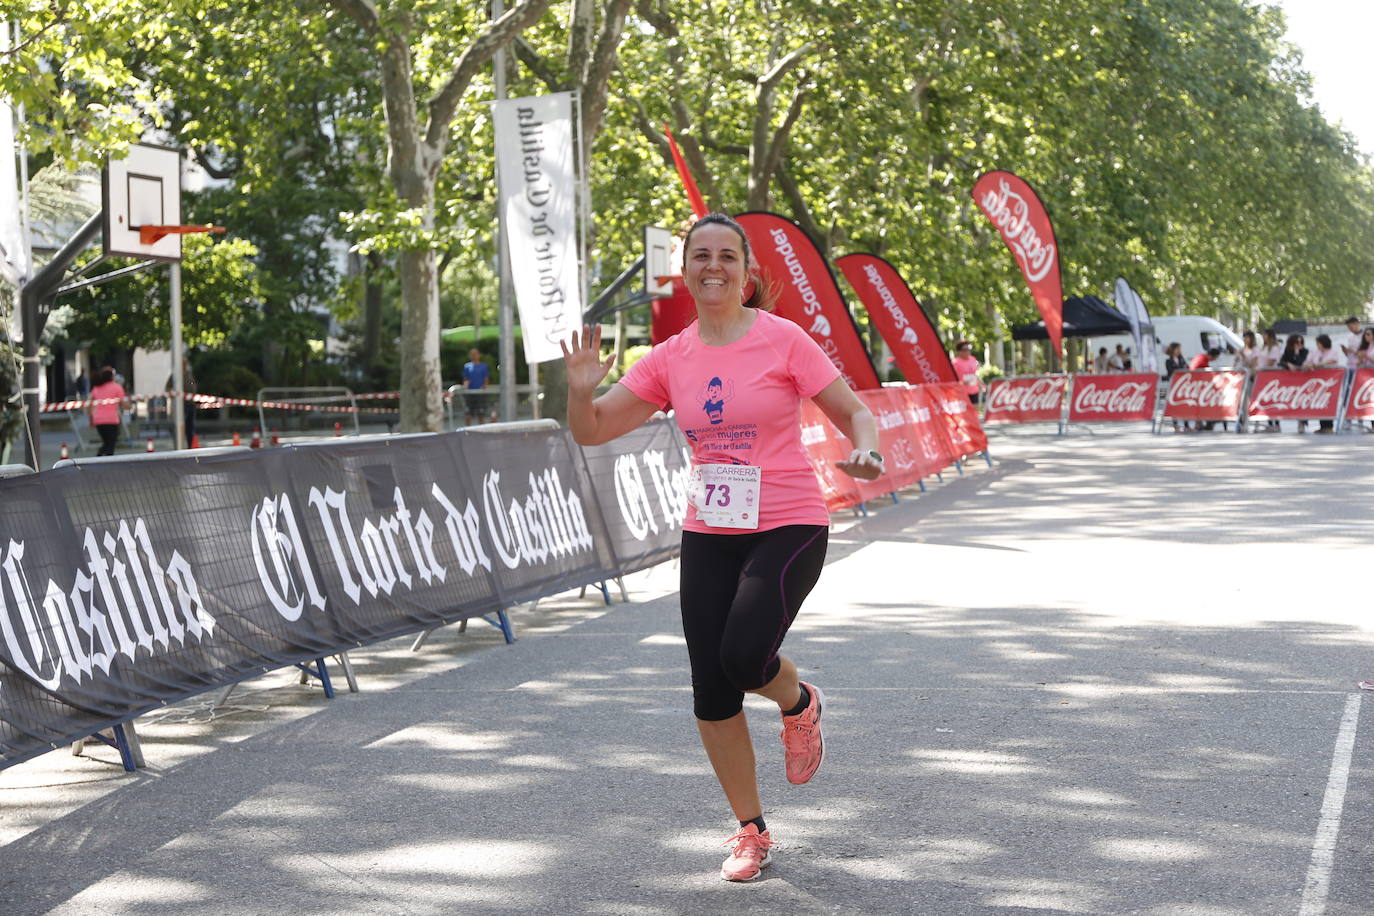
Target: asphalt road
[[1113, 673]]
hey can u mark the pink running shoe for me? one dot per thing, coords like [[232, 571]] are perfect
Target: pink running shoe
[[802, 744], [750, 856]]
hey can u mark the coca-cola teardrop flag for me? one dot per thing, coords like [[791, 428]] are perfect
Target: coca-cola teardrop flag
[[1113, 397], [1310, 395], [1026, 399], [808, 294], [899, 318], [1020, 218]]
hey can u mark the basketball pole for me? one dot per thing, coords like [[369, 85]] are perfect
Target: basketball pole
[[506, 306], [178, 382]]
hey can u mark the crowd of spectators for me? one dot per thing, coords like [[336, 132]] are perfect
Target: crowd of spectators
[[1355, 351]]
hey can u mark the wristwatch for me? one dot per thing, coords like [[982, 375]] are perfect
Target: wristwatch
[[875, 455]]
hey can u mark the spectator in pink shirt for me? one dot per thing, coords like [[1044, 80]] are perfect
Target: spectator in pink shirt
[[107, 400], [1364, 351], [1267, 356], [966, 368]]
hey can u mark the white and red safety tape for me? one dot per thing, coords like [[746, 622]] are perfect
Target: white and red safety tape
[[210, 402]]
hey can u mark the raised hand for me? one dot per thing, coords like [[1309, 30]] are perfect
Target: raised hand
[[582, 360], [862, 465]]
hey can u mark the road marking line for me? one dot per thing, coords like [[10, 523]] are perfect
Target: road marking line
[[1324, 845]]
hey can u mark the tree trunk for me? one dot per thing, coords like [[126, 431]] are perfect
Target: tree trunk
[[421, 397], [372, 309]]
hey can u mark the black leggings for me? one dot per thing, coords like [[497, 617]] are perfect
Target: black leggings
[[109, 434], [740, 593]]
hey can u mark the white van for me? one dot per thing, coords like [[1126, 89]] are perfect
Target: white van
[[1194, 333]]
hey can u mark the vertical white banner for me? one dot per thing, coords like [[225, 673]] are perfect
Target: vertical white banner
[[13, 257], [538, 192], [1129, 303]]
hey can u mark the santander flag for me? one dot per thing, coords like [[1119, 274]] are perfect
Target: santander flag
[[899, 318], [807, 293], [1021, 219]]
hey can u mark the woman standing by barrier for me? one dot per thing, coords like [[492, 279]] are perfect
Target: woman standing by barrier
[[1247, 357], [1174, 359], [1294, 353], [1325, 356], [1293, 358], [755, 535], [966, 368], [1364, 353], [1267, 357], [105, 417]]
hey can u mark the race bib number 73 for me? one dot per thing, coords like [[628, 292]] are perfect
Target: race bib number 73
[[726, 495]]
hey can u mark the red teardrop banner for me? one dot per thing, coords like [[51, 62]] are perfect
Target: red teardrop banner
[[897, 315], [808, 294], [1025, 227]]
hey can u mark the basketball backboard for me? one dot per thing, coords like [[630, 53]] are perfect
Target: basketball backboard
[[142, 189], [658, 262]]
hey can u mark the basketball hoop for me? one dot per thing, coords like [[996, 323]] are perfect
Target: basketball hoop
[[151, 235]]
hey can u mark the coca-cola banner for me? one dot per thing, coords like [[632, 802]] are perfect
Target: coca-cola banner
[[1204, 394], [1026, 399], [1113, 397], [1361, 405], [807, 293], [641, 478], [1025, 227], [899, 318], [1282, 395]]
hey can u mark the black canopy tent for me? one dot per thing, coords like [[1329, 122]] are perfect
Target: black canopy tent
[[1084, 316]]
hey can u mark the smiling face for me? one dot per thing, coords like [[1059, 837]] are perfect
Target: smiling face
[[716, 266]]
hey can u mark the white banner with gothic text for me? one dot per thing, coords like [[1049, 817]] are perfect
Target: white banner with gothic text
[[538, 206]]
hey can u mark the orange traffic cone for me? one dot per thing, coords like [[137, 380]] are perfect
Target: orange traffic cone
[[338, 428], [236, 437], [65, 455], [256, 441], [276, 440], [195, 441], [150, 443]]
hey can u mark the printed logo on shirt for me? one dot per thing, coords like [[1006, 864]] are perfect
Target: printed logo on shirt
[[714, 395]]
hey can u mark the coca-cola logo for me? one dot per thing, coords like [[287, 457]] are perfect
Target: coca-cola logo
[[1036, 395], [1313, 394], [1128, 397], [1010, 213], [1363, 398], [1205, 390]]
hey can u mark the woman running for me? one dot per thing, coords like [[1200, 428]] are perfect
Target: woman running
[[754, 539]]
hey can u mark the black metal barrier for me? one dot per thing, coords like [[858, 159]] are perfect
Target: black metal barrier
[[125, 587]]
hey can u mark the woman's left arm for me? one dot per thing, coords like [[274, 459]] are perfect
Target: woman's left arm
[[838, 402]]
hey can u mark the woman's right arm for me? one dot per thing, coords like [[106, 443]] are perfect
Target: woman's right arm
[[593, 421]]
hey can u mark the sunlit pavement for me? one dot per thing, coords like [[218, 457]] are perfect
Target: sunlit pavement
[[1113, 673]]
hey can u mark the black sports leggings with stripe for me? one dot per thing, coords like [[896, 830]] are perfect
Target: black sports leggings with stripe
[[740, 593]]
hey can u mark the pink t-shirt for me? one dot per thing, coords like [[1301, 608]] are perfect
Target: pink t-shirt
[[106, 414], [965, 366], [741, 404]]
